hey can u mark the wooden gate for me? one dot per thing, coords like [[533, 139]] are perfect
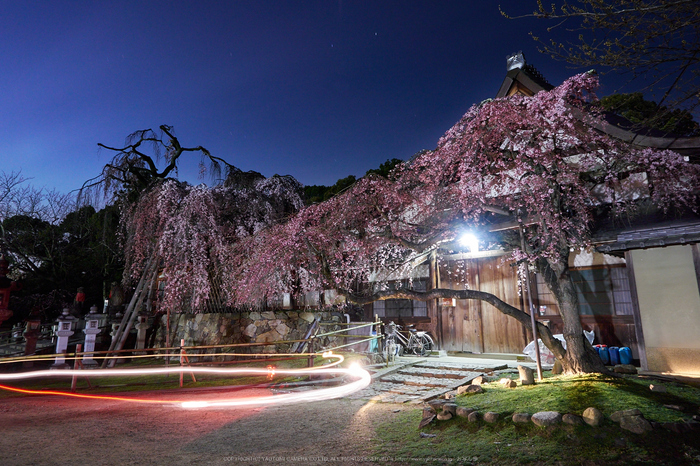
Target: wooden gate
[[474, 326]]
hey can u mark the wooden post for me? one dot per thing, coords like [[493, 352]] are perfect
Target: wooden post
[[380, 342], [311, 352], [167, 337], [533, 322], [76, 363], [182, 358], [377, 334]]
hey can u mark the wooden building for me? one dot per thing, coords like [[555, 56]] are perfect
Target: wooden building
[[639, 288]]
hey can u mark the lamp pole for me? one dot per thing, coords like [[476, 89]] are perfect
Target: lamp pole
[[532, 308]]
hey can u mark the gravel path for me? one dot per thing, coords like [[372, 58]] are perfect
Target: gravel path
[[52, 430]]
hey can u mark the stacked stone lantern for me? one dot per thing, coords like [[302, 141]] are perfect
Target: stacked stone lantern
[[92, 328], [141, 329], [63, 333]]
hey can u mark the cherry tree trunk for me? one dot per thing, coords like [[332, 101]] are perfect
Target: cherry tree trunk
[[580, 356]]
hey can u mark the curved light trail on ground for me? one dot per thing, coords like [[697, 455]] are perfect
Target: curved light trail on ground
[[355, 371]]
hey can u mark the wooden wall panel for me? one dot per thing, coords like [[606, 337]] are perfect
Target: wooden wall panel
[[451, 316], [475, 326], [501, 334], [472, 328]]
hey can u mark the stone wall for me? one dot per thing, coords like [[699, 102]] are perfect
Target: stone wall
[[246, 327]]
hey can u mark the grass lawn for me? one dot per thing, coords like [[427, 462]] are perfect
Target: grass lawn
[[458, 441]]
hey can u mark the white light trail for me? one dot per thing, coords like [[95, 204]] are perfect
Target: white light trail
[[354, 371]]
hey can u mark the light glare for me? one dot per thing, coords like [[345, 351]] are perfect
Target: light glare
[[471, 241]]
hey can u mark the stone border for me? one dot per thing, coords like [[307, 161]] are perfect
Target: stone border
[[631, 420]]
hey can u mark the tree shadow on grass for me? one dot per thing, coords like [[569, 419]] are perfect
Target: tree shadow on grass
[[661, 398]]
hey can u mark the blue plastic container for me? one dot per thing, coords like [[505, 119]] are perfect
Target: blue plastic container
[[614, 355], [373, 343], [597, 348], [625, 355], [604, 354]]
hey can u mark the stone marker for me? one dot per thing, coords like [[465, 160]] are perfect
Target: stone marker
[[428, 416], [469, 389], [546, 418], [449, 408], [557, 369], [508, 383], [474, 416], [657, 388], [521, 417], [527, 376], [572, 420], [444, 416], [436, 404], [479, 380], [490, 417], [625, 369], [632, 420], [618, 415], [635, 424], [593, 417], [463, 411]]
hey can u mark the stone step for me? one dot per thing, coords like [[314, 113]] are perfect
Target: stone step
[[451, 367], [440, 374], [416, 381]]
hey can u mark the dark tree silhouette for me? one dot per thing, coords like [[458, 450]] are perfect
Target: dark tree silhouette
[[135, 166], [655, 40]]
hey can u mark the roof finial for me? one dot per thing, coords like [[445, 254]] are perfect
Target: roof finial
[[515, 60]]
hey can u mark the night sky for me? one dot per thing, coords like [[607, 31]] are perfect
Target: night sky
[[315, 89]]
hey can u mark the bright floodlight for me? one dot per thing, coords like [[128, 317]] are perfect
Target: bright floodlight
[[471, 241]]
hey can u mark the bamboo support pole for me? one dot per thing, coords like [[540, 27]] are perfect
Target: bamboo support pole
[[117, 339], [364, 339], [334, 332]]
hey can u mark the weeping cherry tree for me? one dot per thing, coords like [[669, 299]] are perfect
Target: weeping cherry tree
[[535, 159]]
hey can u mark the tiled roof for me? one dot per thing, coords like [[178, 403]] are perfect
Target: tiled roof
[[657, 236]]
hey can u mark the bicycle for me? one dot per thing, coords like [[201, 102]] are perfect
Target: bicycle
[[418, 343]]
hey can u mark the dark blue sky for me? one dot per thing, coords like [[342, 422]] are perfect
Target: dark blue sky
[[315, 89]]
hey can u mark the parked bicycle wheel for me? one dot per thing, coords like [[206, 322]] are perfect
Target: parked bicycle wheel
[[414, 345], [427, 344]]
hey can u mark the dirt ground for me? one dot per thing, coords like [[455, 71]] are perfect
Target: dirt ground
[[48, 430]]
